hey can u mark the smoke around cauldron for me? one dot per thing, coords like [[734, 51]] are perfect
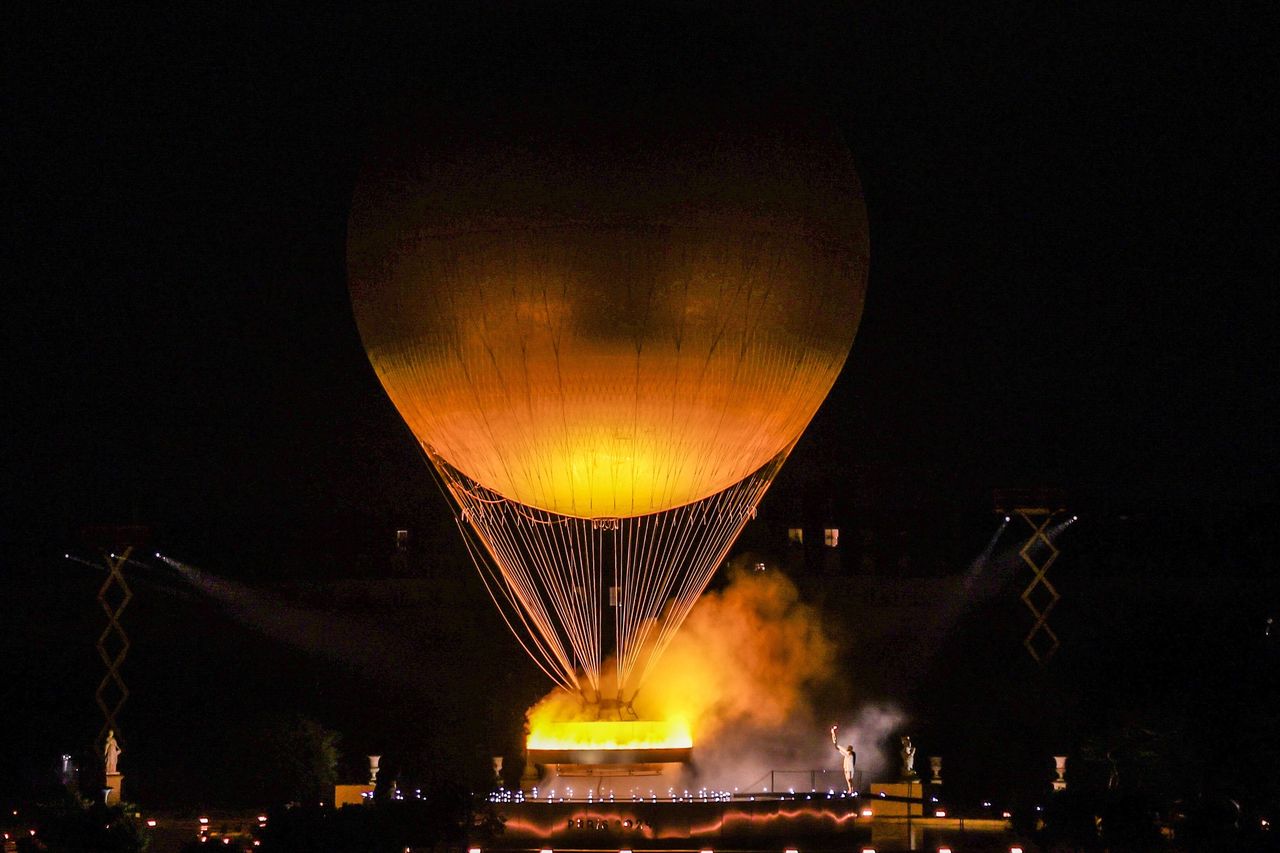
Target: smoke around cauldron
[[743, 672], [746, 657]]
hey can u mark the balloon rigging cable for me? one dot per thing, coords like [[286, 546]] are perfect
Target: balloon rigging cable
[[547, 572]]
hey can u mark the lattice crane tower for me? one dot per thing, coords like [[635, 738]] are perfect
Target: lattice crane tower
[[1038, 508]]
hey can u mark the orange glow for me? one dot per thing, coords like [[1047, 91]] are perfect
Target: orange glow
[[609, 734], [661, 377]]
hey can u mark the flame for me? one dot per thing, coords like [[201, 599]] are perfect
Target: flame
[[610, 734]]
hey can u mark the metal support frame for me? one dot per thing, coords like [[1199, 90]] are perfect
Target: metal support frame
[[1038, 518], [115, 578], [1037, 507]]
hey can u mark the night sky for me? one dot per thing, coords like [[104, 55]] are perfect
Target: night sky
[[1070, 231]]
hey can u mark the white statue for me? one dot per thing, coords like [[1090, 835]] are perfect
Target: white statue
[[850, 760], [908, 758], [111, 752]]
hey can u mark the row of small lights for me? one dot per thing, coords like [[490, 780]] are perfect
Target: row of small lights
[[1015, 848], [504, 796], [703, 796], [204, 829]]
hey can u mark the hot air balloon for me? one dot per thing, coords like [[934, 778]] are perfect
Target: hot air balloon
[[607, 336]]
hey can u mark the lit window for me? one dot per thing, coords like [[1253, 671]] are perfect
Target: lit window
[[795, 535], [402, 539], [831, 536]]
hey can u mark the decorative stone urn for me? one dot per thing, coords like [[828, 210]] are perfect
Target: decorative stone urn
[[935, 765]]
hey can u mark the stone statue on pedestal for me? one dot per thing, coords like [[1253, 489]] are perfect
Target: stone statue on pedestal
[[111, 753], [908, 758]]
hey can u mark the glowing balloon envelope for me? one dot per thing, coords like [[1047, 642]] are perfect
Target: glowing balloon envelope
[[614, 323]]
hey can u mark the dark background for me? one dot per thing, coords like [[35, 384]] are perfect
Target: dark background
[[1070, 285]]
